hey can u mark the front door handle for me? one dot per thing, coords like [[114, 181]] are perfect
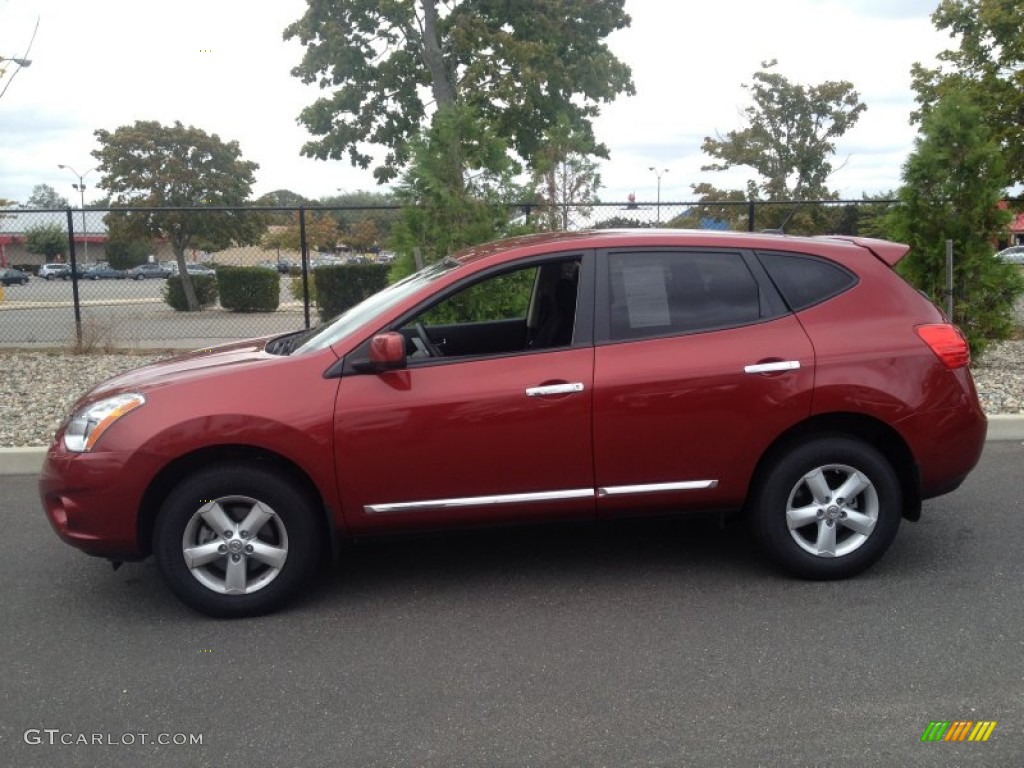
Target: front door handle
[[554, 389], [781, 365]]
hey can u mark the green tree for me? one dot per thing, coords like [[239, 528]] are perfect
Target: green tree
[[45, 196], [789, 138], [446, 209], [151, 165], [564, 179], [362, 236], [360, 208], [321, 233], [518, 67], [49, 240], [125, 254], [721, 206], [953, 182], [988, 63], [283, 198]]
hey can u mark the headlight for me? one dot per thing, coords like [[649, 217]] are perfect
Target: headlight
[[87, 425]]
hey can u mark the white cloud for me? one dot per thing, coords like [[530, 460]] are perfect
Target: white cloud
[[223, 66]]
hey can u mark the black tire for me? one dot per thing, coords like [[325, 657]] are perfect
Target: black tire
[[784, 491], [290, 528], [140, 277]]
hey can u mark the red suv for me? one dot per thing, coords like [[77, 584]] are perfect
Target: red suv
[[591, 375]]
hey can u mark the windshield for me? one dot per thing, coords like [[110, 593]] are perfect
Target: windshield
[[347, 321]]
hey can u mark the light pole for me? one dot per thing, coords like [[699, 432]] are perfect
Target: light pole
[[80, 186], [658, 174]]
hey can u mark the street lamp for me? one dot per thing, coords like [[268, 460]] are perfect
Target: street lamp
[[658, 174], [19, 63], [80, 186]]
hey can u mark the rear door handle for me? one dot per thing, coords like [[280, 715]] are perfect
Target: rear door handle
[[782, 365], [554, 389]]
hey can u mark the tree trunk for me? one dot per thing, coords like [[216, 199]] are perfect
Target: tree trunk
[[186, 280], [440, 79]]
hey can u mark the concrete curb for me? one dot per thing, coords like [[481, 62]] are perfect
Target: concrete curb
[[29, 460]]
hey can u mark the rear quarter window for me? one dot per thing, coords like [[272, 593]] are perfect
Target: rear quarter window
[[805, 280]]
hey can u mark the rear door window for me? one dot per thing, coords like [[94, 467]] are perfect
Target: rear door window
[[673, 292], [805, 280]]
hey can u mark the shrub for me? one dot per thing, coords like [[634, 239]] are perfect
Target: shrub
[[345, 285], [249, 289], [295, 287], [206, 292]]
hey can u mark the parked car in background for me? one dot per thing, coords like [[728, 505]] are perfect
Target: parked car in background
[[103, 272], [799, 382], [54, 271], [195, 268], [145, 271], [1012, 255], [283, 266], [13, 277], [192, 267]]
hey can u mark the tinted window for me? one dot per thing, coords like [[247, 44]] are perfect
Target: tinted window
[[805, 280], [654, 294]]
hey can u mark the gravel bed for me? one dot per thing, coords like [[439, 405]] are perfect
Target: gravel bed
[[37, 388]]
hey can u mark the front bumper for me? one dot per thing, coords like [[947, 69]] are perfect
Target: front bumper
[[92, 500]]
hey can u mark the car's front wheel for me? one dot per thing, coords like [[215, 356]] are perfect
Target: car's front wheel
[[234, 541], [828, 509]]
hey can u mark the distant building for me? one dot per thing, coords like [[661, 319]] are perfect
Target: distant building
[[1017, 230], [15, 225]]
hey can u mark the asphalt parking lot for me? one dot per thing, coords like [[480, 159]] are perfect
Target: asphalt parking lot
[[130, 314], [653, 643]]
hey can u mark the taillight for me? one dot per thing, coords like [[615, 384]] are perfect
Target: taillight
[[947, 342]]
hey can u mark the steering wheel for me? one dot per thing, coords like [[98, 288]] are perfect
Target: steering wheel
[[432, 348]]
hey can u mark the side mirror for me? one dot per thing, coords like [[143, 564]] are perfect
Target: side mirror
[[387, 351]]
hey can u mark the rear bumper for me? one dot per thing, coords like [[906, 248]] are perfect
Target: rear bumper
[[946, 445]]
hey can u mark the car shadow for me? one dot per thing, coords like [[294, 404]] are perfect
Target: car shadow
[[705, 549]]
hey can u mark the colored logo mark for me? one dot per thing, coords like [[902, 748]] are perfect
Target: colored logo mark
[[958, 730]]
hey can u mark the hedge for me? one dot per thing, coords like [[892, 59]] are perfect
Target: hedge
[[341, 286], [206, 291], [249, 289]]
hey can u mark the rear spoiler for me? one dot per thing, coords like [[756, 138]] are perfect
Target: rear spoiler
[[887, 251]]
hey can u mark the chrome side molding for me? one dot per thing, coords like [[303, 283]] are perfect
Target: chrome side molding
[[528, 498], [686, 485], [479, 501]]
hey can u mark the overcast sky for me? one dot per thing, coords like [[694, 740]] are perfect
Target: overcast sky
[[222, 66]]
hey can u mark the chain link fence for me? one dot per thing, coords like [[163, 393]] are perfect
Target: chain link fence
[[95, 280]]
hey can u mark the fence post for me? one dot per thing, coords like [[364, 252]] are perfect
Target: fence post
[[305, 263], [949, 280], [74, 278], [750, 216]]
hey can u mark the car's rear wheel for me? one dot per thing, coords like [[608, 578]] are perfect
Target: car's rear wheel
[[234, 541], [828, 509]]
